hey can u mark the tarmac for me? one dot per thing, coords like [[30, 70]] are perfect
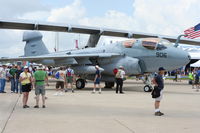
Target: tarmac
[[83, 112]]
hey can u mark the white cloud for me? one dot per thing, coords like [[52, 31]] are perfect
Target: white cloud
[[167, 16], [36, 16], [68, 14]]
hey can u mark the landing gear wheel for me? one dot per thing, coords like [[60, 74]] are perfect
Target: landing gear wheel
[[109, 84], [147, 88], [80, 83]]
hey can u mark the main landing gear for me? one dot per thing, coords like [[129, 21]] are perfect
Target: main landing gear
[[80, 83]]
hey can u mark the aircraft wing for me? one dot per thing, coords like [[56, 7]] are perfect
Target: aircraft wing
[[96, 32], [56, 57]]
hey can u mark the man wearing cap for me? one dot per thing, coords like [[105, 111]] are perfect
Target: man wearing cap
[[159, 84], [97, 79], [2, 78], [120, 75], [39, 77], [69, 78]]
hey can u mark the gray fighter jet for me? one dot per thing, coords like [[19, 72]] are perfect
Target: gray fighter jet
[[141, 55]]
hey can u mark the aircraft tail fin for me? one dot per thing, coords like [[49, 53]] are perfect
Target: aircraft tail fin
[[34, 44]]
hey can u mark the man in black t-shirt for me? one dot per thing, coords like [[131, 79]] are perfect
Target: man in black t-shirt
[[159, 84]]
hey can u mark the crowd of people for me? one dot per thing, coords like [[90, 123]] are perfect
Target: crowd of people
[[193, 77], [24, 79]]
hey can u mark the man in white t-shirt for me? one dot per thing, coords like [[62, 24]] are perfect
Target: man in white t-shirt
[[61, 78], [119, 77]]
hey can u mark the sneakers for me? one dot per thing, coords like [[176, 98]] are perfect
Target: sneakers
[[36, 106], [93, 91], [159, 113], [100, 91], [26, 106]]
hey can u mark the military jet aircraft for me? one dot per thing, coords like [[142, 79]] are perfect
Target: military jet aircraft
[[140, 54]]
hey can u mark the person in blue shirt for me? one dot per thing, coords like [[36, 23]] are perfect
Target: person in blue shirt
[[197, 76], [97, 79]]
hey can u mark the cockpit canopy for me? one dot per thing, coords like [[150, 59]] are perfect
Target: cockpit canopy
[[129, 43], [149, 43], [155, 43]]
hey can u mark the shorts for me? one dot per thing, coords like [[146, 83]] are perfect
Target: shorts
[[196, 81], [69, 79], [40, 89], [160, 97], [97, 81], [26, 88], [60, 84]]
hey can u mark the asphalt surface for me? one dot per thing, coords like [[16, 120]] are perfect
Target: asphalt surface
[[83, 112]]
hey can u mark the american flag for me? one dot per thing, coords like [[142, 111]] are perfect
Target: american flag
[[193, 32]]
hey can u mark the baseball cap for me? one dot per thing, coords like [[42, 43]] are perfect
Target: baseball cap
[[161, 69], [25, 67], [121, 67], [40, 66], [97, 66]]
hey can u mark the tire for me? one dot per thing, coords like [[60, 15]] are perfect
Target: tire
[[80, 83], [109, 84], [147, 88]]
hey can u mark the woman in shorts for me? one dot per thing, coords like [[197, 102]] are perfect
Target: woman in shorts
[[26, 81]]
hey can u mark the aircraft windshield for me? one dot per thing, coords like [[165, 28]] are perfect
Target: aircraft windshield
[[155, 43], [129, 43], [163, 44], [149, 44]]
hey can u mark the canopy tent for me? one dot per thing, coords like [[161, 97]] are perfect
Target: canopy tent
[[196, 64]]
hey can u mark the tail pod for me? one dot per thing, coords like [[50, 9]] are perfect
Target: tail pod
[[34, 44]]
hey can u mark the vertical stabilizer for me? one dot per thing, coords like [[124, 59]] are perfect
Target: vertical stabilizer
[[34, 44]]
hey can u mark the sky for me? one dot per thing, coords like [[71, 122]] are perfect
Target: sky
[[166, 17]]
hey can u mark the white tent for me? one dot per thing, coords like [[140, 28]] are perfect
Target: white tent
[[196, 64]]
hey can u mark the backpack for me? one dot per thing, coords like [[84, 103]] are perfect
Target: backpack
[[57, 75], [69, 73], [115, 71], [118, 75]]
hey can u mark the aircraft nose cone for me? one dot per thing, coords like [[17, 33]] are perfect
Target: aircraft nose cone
[[186, 57], [180, 57]]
